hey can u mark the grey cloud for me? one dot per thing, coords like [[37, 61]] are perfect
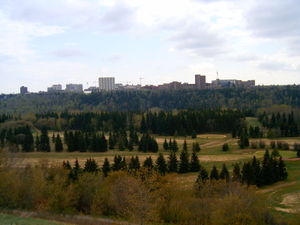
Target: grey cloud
[[277, 19], [198, 39], [66, 13], [246, 57], [275, 66], [118, 18]]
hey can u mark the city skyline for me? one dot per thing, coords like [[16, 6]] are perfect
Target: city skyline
[[42, 42]]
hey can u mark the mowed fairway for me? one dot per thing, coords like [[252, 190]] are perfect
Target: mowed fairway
[[211, 145]]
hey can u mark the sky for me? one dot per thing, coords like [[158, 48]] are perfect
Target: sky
[[46, 42]]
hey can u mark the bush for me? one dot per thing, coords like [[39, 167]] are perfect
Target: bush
[[225, 147]]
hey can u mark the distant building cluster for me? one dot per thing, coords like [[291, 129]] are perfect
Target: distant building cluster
[[200, 83], [108, 84]]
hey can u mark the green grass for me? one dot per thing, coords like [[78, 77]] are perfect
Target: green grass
[[6, 219]]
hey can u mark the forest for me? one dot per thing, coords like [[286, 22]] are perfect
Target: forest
[[140, 101]]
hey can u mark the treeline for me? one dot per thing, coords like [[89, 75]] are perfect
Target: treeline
[[5, 117], [280, 124], [191, 122], [16, 139], [141, 101], [184, 122]]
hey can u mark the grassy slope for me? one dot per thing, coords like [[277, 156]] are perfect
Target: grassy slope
[[6, 219]]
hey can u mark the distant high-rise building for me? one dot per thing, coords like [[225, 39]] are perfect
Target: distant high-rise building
[[106, 83], [200, 81], [55, 88], [74, 88], [23, 90]]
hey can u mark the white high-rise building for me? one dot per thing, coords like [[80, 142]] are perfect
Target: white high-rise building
[[107, 83]]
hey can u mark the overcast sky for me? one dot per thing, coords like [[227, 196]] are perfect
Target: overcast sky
[[46, 42]]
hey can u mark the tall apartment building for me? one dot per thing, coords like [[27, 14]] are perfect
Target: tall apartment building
[[107, 83], [23, 90], [74, 88], [200, 81]]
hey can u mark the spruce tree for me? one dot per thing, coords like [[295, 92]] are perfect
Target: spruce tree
[[90, 166], [184, 165], [196, 147], [117, 165], [161, 165], [166, 145], [58, 144], [224, 174], [185, 148], [225, 147], [106, 167], [236, 174], [174, 145], [282, 170], [44, 141], [203, 175], [214, 174], [134, 163], [148, 163], [111, 141], [195, 164], [173, 163], [123, 164]]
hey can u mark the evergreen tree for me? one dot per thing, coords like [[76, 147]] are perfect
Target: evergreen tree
[[67, 165], [117, 165], [184, 165], [106, 167], [58, 144], [185, 148], [75, 170], [224, 174], [148, 163], [236, 174], [214, 174], [123, 164], [256, 171], [203, 175], [225, 147], [134, 163], [174, 145], [195, 164], [247, 174], [90, 166], [166, 145], [244, 141], [111, 141], [44, 141], [173, 163], [161, 165], [282, 170], [196, 147]]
